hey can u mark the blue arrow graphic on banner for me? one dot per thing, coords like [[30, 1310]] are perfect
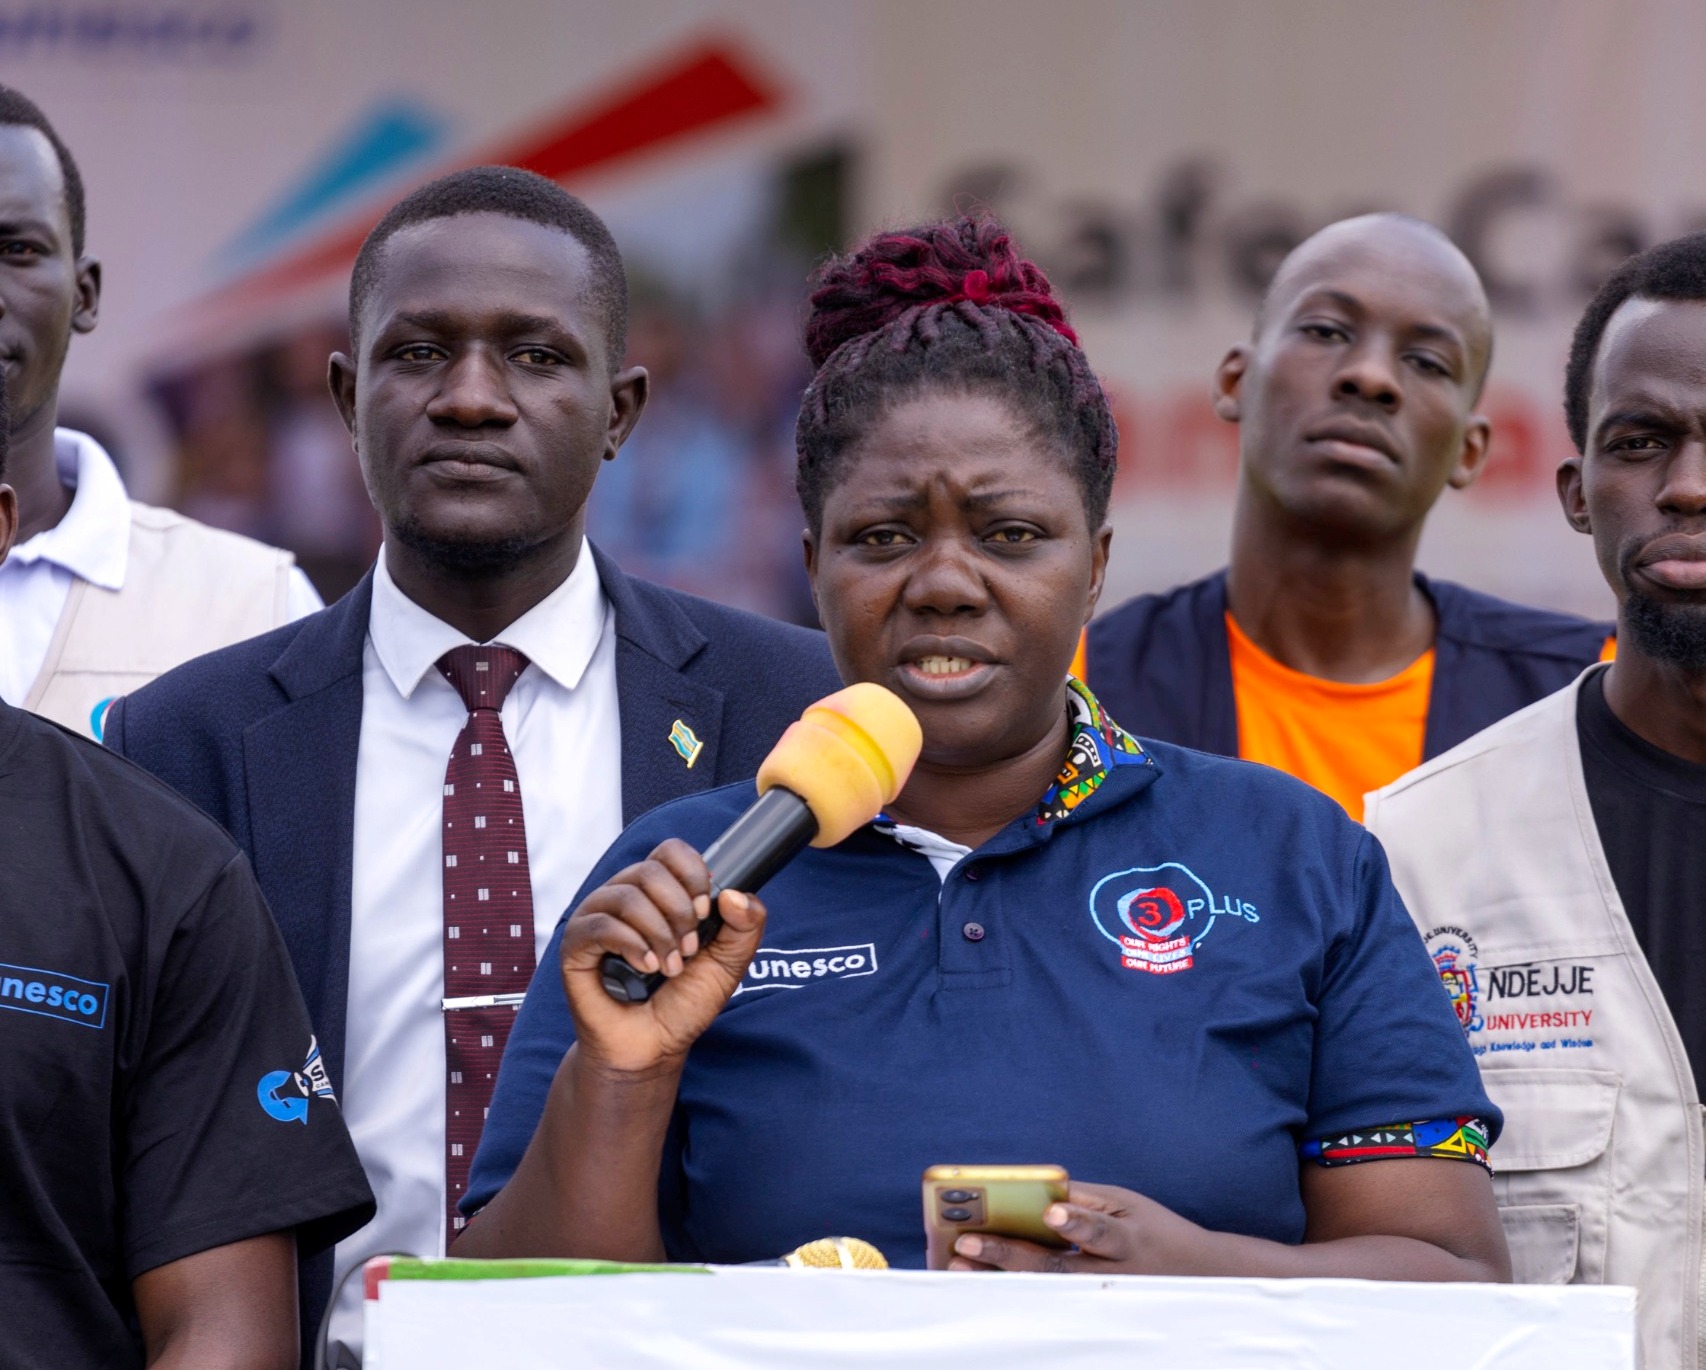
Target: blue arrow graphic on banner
[[388, 137]]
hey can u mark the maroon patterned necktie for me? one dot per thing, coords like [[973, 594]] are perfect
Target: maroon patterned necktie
[[488, 905]]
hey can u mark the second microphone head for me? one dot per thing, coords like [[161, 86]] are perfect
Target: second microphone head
[[836, 1253]]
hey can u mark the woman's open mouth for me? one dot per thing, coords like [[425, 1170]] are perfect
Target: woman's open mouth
[[945, 677]]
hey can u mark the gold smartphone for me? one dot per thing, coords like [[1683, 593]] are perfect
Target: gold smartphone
[[1005, 1200]]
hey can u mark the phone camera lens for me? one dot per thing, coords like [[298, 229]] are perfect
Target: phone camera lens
[[956, 1215], [957, 1196]]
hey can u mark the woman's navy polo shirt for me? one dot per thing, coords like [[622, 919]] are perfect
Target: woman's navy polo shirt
[[1200, 969]]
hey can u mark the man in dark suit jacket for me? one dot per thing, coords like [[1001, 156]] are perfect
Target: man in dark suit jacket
[[1321, 650], [371, 791]]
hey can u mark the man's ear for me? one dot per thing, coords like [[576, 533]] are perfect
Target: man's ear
[[629, 391], [1472, 459], [340, 377], [8, 519], [1571, 496], [1229, 383], [88, 310]]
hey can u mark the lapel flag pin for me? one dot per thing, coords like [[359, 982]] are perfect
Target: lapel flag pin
[[683, 740]]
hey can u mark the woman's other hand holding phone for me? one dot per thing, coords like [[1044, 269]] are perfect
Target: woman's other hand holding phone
[[650, 915], [1411, 1219], [1115, 1231]]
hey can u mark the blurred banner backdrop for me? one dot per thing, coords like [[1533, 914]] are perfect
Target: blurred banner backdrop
[[1158, 158]]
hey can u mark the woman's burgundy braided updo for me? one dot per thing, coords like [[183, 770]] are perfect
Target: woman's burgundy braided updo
[[949, 306]]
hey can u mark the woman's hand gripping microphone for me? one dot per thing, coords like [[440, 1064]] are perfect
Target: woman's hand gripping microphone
[[830, 774], [651, 915]]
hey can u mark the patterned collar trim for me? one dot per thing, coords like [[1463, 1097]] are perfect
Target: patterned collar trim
[[1095, 747]]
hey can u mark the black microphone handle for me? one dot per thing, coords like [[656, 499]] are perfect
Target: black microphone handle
[[757, 845]]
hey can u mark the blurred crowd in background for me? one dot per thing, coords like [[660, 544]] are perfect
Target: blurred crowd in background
[[701, 497], [1157, 159]]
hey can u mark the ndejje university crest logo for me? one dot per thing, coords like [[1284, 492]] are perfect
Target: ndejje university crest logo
[[1158, 915], [1454, 955]]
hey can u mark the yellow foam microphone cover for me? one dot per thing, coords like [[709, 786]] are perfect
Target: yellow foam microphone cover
[[847, 756], [837, 1253]]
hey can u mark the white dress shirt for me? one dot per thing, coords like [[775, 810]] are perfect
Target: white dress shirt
[[564, 731], [92, 543]]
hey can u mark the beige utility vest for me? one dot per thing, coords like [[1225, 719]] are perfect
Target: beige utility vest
[[188, 589], [1599, 1175]]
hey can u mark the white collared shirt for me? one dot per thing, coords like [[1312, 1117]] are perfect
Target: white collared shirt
[[564, 730], [92, 543]]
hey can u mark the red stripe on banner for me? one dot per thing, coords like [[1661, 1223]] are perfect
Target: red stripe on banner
[[706, 87], [692, 92], [375, 1271]]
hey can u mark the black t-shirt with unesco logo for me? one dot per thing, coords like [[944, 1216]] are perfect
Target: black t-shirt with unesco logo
[[160, 1091], [1650, 810]]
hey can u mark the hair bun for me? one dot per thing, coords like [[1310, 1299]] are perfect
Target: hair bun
[[968, 259]]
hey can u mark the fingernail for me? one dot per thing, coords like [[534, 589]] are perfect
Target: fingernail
[[651, 962], [702, 905], [969, 1246], [690, 944], [673, 965], [958, 1264], [1056, 1216], [739, 900]]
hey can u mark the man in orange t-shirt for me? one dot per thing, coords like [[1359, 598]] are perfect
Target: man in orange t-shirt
[[1320, 649]]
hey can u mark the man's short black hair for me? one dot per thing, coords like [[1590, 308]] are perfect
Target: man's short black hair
[[19, 111], [517, 194], [5, 430], [1671, 271]]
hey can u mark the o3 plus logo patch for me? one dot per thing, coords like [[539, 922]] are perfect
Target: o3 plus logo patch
[[1158, 915], [1154, 914]]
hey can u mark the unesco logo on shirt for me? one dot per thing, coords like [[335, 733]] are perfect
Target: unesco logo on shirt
[[53, 995], [775, 969]]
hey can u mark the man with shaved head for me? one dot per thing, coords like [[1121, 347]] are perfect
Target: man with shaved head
[[1320, 649]]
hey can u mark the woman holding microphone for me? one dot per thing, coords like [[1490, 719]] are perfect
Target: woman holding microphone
[[1186, 978]]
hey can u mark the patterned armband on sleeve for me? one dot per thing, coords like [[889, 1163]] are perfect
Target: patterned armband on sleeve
[[1449, 1139]]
